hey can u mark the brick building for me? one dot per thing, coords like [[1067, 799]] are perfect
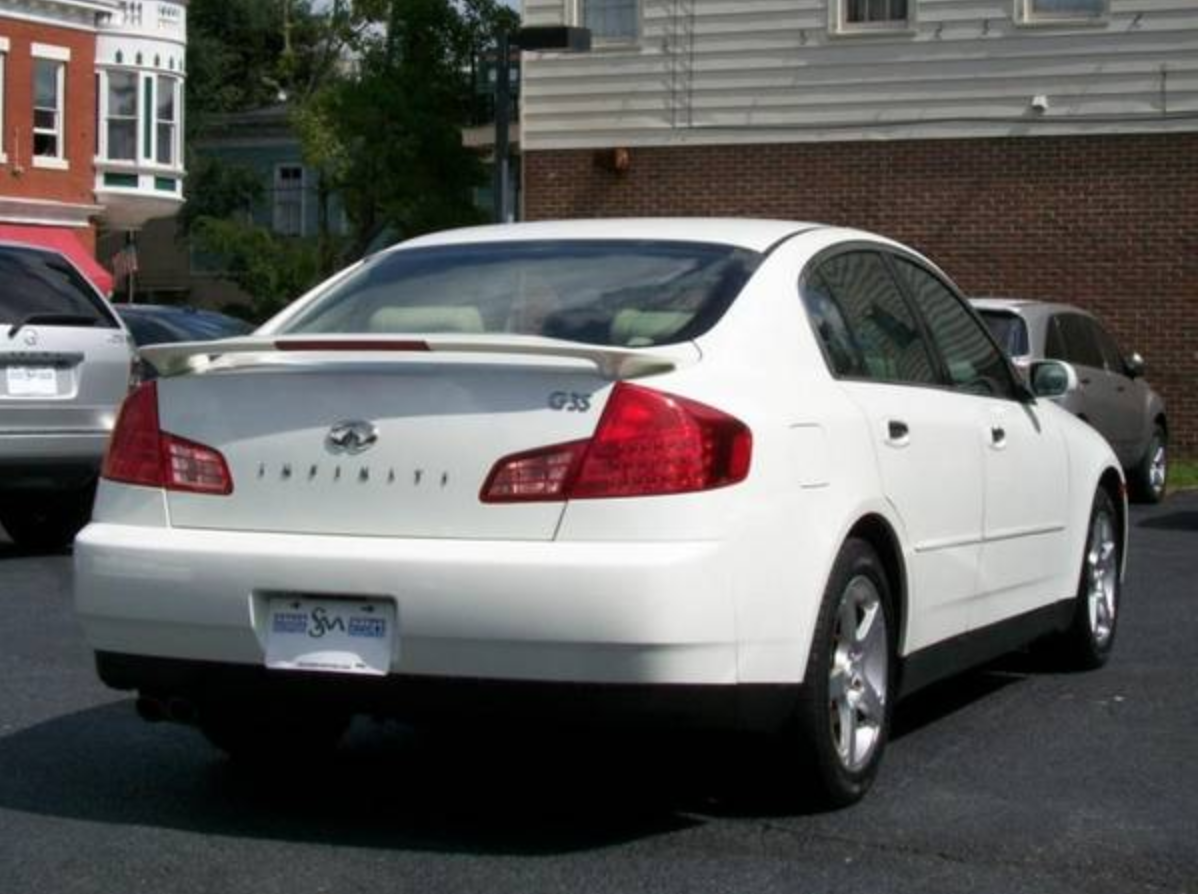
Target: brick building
[[1045, 149], [91, 96]]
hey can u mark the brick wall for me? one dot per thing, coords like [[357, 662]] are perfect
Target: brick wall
[[1105, 222], [19, 177]]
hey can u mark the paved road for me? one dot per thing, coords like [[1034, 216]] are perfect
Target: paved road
[[1012, 779]]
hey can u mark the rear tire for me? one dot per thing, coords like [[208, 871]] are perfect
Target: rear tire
[[271, 735], [1088, 642], [840, 726], [1149, 479], [47, 521]]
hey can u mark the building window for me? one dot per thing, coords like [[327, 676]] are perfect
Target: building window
[[872, 16], [121, 120], [48, 76], [287, 216], [610, 21], [1039, 11], [166, 117]]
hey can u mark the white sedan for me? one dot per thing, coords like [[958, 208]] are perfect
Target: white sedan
[[751, 474]]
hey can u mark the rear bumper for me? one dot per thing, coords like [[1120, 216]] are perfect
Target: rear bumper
[[760, 707], [551, 612], [50, 461]]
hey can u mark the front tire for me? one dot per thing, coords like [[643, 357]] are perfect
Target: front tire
[[841, 722], [1088, 642], [1149, 479]]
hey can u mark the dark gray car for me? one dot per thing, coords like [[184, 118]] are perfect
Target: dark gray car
[[1113, 395]]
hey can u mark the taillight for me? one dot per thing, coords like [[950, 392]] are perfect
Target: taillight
[[647, 443], [140, 452]]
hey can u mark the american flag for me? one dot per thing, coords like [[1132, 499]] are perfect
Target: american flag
[[125, 262]]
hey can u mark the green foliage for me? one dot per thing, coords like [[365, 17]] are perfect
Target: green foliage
[[272, 269], [219, 190]]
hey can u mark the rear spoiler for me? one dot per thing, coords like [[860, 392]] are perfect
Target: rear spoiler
[[611, 362]]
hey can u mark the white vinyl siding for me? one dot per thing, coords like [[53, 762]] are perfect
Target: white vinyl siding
[[754, 71]]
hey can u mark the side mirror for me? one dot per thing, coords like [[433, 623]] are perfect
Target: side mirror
[[1052, 378], [1135, 366]]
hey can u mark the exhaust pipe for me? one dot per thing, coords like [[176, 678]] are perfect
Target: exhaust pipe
[[180, 710], [150, 709]]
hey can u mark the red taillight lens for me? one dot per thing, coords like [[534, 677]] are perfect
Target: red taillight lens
[[141, 453], [647, 443]]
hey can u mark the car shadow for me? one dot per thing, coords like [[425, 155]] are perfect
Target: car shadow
[[480, 790], [1172, 521]]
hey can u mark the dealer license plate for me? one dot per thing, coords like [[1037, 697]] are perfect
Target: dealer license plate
[[339, 636], [32, 381]]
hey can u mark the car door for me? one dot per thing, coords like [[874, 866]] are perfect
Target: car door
[[1127, 402], [1025, 456], [1097, 402], [926, 443]]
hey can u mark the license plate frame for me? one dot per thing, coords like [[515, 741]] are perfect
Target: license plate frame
[[31, 381], [330, 634]]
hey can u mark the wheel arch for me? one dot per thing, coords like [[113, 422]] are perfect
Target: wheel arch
[[877, 531], [1113, 483]]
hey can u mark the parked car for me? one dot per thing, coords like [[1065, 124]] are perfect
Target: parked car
[[156, 324], [752, 474], [1112, 396], [65, 363]]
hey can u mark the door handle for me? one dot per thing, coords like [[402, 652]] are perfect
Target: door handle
[[999, 436], [897, 432]]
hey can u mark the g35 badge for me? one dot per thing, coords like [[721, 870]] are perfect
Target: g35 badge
[[570, 402]]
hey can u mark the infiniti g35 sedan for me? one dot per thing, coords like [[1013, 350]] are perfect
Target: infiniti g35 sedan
[[1113, 394], [745, 474]]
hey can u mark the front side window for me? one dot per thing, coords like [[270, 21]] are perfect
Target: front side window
[[888, 341], [602, 292], [288, 203], [1079, 345], [47, 108], [972, 360], [610, 20], [121, 121], [166, 120], [1114, 360]]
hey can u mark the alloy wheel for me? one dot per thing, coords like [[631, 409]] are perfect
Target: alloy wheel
[[1102, 579], [858, 674]]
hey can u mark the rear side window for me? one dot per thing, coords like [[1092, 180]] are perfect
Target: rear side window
[[1079, 341], [611, 292], [1009, 330], [972, 361], [37, 282], [869, 331]]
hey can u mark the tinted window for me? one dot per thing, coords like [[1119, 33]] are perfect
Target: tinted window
[[38, 282], [1009, 330], [971, 359], [843, 354], [887, 337], [628, 293], [148, 331], [1114, 361], [1056, 346], [1079, 341]]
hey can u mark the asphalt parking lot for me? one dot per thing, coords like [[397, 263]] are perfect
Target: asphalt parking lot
[[1012, 778]]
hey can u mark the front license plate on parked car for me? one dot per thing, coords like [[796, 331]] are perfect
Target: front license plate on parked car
[[31, 381], [340, 636]]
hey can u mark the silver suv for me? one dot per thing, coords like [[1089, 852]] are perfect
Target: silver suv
[[66, 363], [1113, 395]]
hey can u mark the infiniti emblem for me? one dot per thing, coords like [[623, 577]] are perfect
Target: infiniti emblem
[[31, 337], [355, 436]]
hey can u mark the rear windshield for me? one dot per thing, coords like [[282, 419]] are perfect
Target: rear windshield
[[1009, 330], [38, 282], [614, 293]]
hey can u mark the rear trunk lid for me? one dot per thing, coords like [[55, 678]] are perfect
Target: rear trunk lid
[[428, 428]]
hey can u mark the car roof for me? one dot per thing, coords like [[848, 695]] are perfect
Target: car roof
[[1025, 307], [752, 234]]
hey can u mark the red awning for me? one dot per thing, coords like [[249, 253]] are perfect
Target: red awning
[[64, 240]]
